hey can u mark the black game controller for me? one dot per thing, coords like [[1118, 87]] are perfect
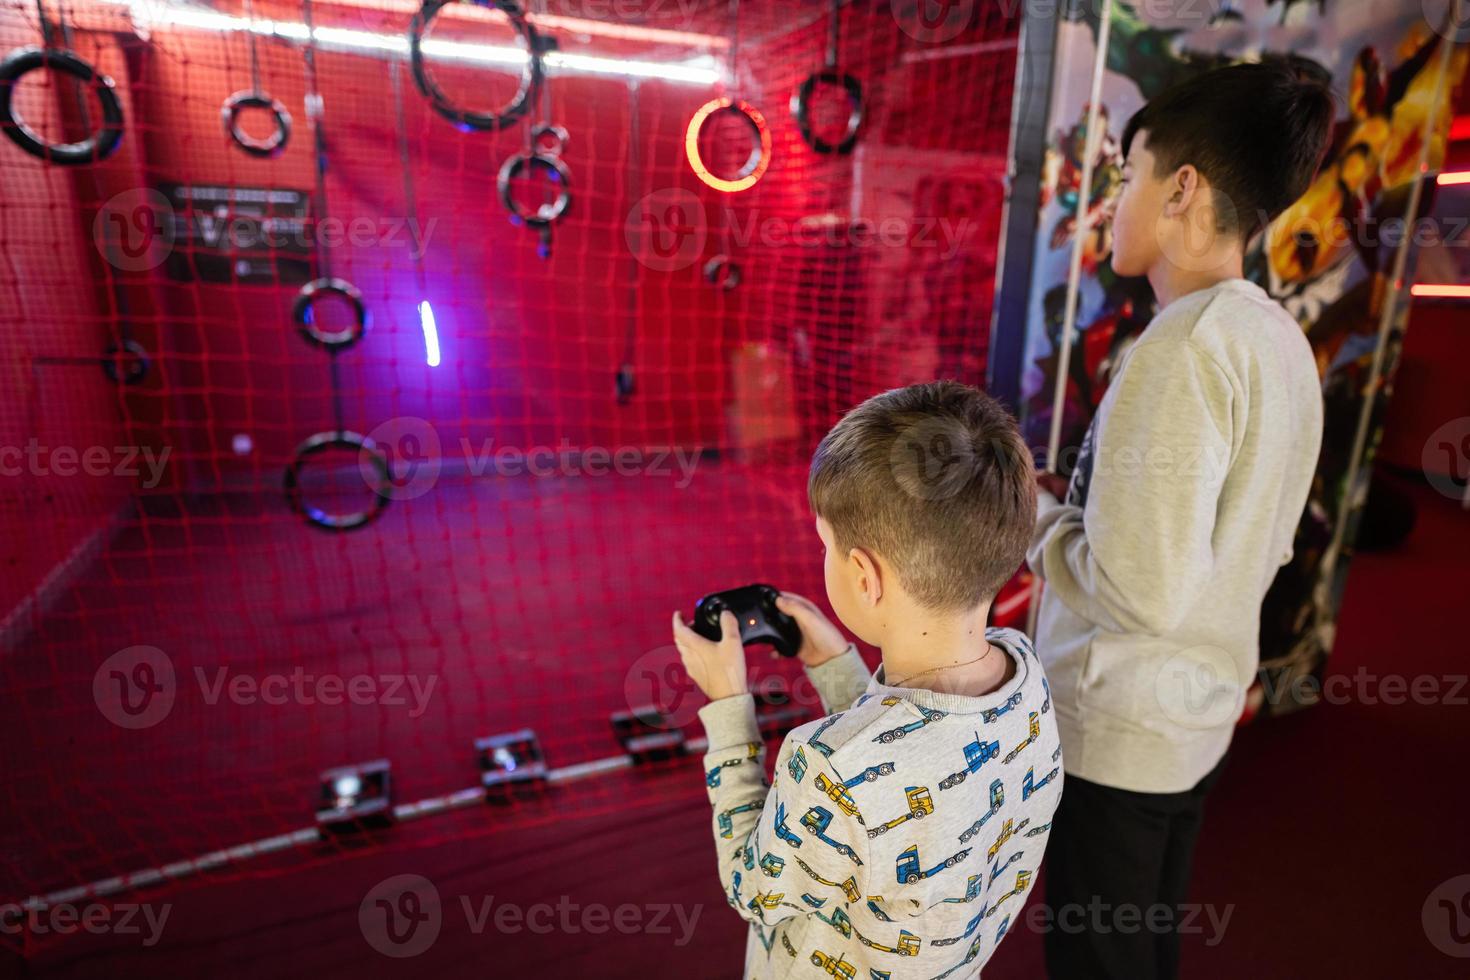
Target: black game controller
[[760, 621]]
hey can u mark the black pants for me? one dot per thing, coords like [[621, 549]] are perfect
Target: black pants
[[1117, 870]]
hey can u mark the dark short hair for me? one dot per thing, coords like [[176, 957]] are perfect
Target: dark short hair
[[936, 480], [1256, 132]]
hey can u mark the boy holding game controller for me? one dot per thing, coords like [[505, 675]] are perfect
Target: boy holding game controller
[[901, 833]]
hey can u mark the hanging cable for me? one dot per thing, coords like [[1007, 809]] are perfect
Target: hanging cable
[[101, 143], [730, 107], [123, 360], [722, 271], [371, 460], [256, 98], [624, 379], [801, 99], [427, 321], [544, 145]]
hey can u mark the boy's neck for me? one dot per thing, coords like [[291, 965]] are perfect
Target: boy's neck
[[955, 645], [1171, 281]]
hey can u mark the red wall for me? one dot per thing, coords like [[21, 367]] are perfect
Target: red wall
[[530, 346], [53, 304]]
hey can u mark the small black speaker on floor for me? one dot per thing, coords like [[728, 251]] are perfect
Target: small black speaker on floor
[[511, 765], [354, 798]]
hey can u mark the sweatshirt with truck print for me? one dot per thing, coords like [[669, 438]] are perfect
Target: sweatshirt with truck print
[[897, 838]]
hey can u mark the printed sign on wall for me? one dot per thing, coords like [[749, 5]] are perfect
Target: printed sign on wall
[[239, 234]]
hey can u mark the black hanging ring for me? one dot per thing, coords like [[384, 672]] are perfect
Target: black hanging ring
[[557, 143], [98, 146], [303, 312], [126, 363], [319, 443], [273, 144], [470, 119], [722, 272], [556, 172], [801, 103]]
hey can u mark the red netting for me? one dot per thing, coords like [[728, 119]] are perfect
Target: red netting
[[546, 520]]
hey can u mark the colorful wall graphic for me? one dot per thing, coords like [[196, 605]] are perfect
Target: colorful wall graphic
[[1328, 259]]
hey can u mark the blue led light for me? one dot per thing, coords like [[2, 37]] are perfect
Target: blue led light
[[431, 334]]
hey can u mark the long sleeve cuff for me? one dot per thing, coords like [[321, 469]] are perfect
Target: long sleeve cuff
[[729, 722], [841, 680], [1050, 514]]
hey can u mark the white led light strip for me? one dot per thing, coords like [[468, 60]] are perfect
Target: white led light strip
[[702, 70]]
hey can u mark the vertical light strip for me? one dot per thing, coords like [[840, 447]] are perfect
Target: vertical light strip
[[1082, 227], [431, 334]]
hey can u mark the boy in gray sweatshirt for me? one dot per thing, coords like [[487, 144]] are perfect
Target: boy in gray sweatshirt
[[900, 834], [1185, 500]]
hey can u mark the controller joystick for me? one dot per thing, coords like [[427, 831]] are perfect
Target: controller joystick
[[755, 609]]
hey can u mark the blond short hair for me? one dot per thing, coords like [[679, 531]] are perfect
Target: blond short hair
[[936, 479]]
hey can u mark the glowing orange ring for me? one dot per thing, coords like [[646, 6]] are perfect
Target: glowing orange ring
[[760, 156]]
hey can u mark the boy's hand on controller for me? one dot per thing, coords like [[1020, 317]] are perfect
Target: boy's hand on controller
[[820, 640], [718, 667]]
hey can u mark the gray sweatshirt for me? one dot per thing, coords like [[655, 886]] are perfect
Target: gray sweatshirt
[[898, 837], [1185, 500]]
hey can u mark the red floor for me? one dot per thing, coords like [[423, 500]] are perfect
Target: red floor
[[1325, 837], [526, 602]]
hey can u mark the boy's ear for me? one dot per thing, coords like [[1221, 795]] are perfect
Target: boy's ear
[[869, 578], [1184, 187]]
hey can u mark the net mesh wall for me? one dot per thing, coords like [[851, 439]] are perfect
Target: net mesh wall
[[606, 434]]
